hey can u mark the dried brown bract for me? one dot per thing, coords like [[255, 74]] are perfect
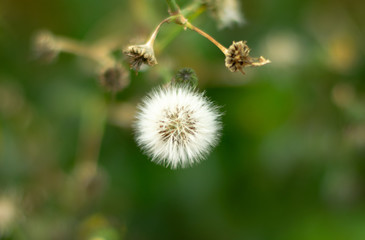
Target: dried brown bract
[[238, 57], [140, 54]]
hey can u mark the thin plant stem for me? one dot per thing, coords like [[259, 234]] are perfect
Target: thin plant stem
[[155, 32], [173, 7], [190, 12], [193, 10], [207, 36], [71, 46], [74, 47]]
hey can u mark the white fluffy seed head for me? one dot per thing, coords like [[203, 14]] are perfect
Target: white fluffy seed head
[[177, 126]]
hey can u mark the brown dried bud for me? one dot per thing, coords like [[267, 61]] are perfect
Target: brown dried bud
[[140, 54], [237, 57], [45, 46], [114, 78]]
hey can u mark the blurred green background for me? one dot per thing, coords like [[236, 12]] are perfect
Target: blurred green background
[[290, 163]]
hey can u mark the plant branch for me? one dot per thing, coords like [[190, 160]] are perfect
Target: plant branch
[[192, 11], [74, 47], [154, 34], [173, 7], [207, 36]]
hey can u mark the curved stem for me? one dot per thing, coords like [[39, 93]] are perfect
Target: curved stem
[[154, 34], [193, 11], [207, 36]]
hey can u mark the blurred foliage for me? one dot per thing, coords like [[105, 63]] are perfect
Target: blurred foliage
[[290, 164]]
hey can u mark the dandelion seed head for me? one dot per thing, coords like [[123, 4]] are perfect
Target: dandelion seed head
[[177, 126]]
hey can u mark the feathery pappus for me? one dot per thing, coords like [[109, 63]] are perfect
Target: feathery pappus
[[177, 126]]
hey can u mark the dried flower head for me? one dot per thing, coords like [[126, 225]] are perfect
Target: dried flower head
[[140, 54], [114, 78], [177, 126], [45, 46], [237, 57]]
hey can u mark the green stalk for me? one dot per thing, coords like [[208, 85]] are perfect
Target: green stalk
[[173, 7]]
